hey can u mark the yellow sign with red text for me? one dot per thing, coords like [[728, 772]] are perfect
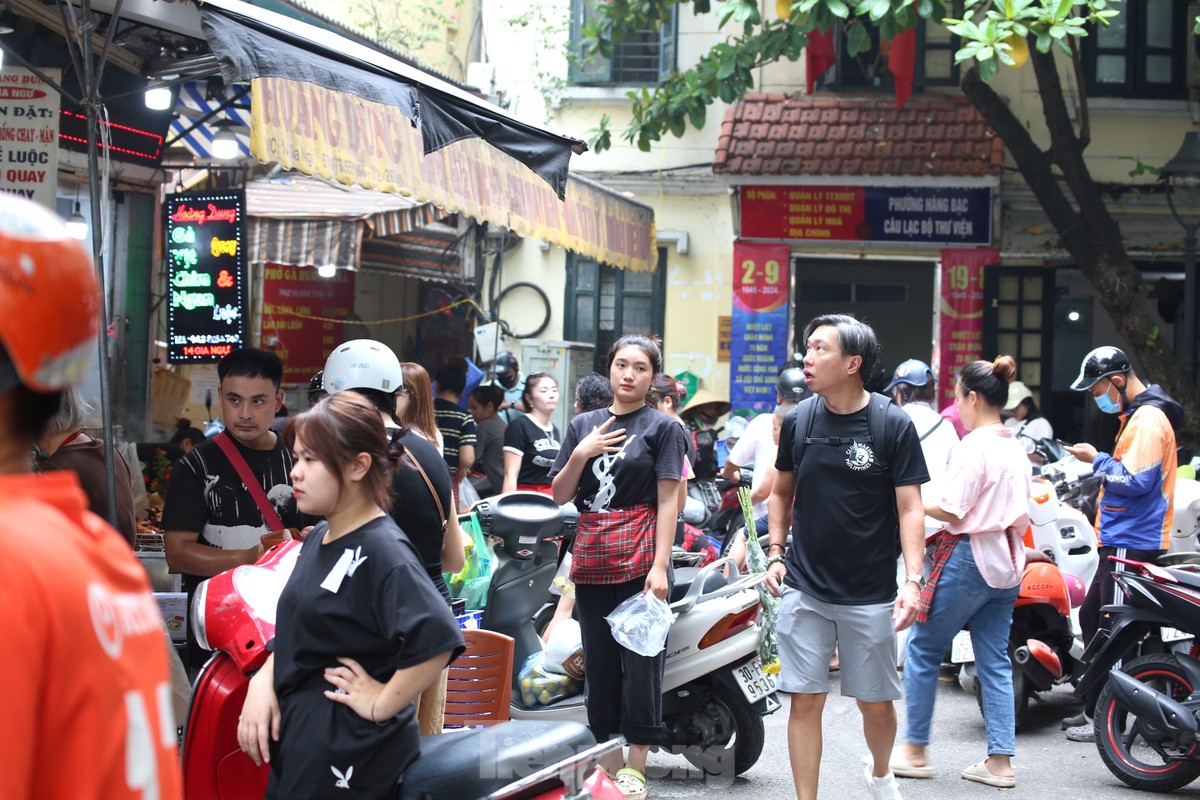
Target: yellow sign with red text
[[342, 137]]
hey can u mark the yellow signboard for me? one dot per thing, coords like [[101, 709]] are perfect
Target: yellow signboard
[[342, 137]]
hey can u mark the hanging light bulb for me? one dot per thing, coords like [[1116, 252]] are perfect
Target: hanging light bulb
[[77, 227], [158, 98], [327, 270], [225, 146]]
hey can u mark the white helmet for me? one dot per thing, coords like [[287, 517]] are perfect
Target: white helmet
[[362, 364]]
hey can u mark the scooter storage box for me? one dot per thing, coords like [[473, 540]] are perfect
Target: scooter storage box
[[522, 520]]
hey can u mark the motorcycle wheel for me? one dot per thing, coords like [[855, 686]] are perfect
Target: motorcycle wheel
[[1139, 755], [1021, 693], [745, 741]]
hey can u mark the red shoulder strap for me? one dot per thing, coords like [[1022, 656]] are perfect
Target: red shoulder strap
[[253, 486]]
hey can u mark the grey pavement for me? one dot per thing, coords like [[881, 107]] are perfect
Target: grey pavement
[[1045, 761]]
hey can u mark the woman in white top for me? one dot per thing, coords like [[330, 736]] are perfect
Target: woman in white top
[[1025, 420], [984, 502]]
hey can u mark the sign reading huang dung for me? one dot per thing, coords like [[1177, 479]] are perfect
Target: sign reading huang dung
[[206, 296]]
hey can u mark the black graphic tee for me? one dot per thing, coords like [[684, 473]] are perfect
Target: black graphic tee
[[653, 450], [845, 532], [537, 446], [364, 596]]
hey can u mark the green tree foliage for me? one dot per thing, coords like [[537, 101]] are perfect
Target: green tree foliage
[[988, 31]]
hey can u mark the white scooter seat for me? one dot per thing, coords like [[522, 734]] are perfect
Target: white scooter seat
[[479, 761]]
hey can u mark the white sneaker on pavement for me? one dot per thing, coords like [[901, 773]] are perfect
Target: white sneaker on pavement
[[885, 788]]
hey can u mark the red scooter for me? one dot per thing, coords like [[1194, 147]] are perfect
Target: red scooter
[[233, 614]]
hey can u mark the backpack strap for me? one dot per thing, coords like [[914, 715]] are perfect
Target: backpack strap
[[805, 413], [929, 432], [877, 411]]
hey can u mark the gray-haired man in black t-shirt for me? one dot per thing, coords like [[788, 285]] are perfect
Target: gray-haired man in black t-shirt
[[852, 504]]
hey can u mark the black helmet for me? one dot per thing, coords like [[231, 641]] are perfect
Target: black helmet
[[317, 382], [792, 386], [914, 372], [504, 362], [1101, 363]]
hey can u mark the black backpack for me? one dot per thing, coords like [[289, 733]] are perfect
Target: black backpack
[[806, 413]]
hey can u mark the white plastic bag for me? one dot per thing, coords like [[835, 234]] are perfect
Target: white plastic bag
[[641, 623], [564, 650], [467, 497], [562, 584]]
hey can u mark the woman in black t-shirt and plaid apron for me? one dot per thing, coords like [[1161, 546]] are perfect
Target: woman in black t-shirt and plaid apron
[[621, 467]]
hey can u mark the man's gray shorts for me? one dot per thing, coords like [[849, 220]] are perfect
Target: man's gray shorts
[[809, 632]]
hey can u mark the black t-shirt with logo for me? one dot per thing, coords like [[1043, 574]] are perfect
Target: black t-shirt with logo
[[537, 446], [653, 449], [363, 596], [845, 532]]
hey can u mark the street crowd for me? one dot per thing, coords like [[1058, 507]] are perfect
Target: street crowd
[[371, 475]]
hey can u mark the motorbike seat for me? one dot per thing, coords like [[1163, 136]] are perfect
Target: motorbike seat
[[479, 761], [685, 576], [1187, 577]]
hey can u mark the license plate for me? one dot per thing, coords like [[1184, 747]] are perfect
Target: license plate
[[755, 683], [961, 649], [1174, 635]]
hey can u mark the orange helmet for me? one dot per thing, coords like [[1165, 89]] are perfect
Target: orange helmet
[[49, 299]]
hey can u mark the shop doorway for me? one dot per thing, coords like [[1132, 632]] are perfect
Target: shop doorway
[[894, 298]]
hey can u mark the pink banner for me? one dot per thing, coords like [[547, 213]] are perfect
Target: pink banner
[[960, 314]]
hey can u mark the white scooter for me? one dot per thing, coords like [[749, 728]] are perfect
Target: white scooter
[[715, 692]]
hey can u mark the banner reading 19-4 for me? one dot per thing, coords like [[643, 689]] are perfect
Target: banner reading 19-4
[[758, 341]]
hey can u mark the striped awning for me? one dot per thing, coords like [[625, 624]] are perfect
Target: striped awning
[[430, 253], [304, 242], [194, 104]]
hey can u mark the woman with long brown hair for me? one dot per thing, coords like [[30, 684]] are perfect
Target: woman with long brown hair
[[414, 403]]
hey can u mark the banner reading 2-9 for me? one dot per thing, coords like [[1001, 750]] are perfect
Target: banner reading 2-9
[[758, 345]]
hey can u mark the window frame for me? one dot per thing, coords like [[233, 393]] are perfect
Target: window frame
[[576, 266], [832, 80], [595, 70], [1135, 51]]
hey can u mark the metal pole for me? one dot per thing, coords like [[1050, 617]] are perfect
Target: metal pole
[[1188, 354], [91, 104]]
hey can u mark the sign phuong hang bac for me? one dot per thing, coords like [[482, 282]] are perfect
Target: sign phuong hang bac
[[206, 297], [891, 214]]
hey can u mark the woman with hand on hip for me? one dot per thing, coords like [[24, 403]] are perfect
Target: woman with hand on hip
[[621, 466], [361, 630], [531, 441], [976, 575]]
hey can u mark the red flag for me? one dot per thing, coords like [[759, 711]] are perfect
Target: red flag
[[902, 59], [819, 56]]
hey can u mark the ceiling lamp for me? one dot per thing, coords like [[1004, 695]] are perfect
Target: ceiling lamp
[[225, 145], [77, 227], [158, 98]]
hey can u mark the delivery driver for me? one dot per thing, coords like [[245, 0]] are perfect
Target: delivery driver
[[88, 712]]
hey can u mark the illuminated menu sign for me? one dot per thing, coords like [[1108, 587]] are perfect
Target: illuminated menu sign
[[206, 276]]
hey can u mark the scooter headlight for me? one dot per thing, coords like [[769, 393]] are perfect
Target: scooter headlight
[[196, 614]]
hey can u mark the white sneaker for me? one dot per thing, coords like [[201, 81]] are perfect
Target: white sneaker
[[885, 788]]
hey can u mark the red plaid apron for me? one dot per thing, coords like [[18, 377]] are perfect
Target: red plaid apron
[[614, 546], [943, 545]]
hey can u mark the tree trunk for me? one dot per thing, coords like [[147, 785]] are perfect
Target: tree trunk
[[1087, 230]]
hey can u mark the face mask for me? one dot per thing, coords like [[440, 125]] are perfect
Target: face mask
[[1107, 405]]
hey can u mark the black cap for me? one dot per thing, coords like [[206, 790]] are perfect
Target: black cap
[[1100, 363], [504, 362], [317, 382]]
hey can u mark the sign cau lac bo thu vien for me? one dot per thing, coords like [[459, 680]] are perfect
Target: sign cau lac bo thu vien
[[206, 275], [892, 214]]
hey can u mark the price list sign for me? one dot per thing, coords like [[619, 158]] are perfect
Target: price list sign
[[206, 276], [758, 340]]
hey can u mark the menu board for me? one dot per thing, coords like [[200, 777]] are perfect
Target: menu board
[[206, 276], [302, 314], [29, 135]]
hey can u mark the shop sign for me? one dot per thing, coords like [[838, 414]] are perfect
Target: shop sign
[[29, 135], [891, 214], [960, 314], [339, 136], [758, 341], [206, 276], [302, 316]]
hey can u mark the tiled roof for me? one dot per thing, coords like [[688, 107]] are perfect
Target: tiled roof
[[932, 135]]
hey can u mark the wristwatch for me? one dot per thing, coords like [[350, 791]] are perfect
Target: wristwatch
[[918, 579]]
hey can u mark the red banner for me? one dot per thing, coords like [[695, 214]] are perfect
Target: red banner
[[301, 316], [960, 314]]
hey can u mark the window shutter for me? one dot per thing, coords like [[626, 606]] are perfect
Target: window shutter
[[584, 68], [667, 37]]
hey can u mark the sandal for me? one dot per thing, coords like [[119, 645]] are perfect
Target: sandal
[[900, 765], [631, 783], [979, 773]]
